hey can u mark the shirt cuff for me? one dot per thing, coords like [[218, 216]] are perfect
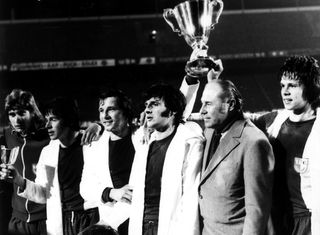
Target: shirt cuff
[[191, 80], [106, 195]]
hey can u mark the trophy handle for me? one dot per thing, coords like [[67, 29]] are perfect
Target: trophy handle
[[168, 15], [213, 3]]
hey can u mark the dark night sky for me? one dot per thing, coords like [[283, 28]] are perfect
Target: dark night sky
[[252, 47]]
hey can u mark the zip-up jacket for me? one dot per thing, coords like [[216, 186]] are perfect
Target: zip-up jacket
[[30, 147]]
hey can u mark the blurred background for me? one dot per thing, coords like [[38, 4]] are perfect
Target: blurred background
[[79, 47]]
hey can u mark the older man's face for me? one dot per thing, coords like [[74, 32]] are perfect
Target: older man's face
[[215, 109]]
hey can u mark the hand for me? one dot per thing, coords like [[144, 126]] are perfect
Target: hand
[[123, 194], [213, 74], [10, 174], [92, 133], [146, 130], [5, 172], [142, 119]]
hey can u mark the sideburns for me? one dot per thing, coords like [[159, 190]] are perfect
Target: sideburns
[[165, 113]]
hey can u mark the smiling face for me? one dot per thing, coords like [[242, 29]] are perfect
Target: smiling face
[[157, 115], [292, 94], [20, 120], [215, 109], [112, 117], [55, 127]]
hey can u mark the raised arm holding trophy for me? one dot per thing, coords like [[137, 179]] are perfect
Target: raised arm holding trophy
[[194, 19]]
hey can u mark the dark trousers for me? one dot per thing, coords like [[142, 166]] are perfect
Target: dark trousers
[[150, 227], [76, 221], [123, 228], [19, 227], [301, 225], [5, 206]]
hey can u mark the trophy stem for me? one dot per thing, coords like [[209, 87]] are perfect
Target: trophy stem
[[199, 45]]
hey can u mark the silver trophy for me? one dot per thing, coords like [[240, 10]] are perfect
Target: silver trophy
[[194, 20], [8, 156]]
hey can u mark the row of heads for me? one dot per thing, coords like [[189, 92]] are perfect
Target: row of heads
[[305, 69], [66, 108]]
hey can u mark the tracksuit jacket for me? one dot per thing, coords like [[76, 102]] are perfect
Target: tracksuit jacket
[[30, 147]]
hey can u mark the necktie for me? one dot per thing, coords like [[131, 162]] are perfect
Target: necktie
[[213, 146]]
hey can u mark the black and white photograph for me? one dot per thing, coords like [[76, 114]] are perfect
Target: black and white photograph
[[159, 117]]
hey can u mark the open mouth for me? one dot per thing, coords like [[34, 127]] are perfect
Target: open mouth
[[107, 122], [287, 101], [50, 133]]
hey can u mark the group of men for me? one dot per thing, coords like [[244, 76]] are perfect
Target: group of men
[[169, 176]]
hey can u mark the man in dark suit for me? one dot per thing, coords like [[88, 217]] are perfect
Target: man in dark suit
[[237, 170]]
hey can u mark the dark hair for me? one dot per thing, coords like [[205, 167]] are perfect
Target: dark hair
[[230, 92], [23, 100], [99, 230], [306, 71], [65, 109], [123, 102], [173, 99]]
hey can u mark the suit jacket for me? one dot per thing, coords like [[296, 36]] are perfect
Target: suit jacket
[[235, 189]]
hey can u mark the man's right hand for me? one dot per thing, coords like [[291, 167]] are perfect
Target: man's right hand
[[123, 194], [92, 133], [212, 74], [10, 174], [6, 173], [215, 74]]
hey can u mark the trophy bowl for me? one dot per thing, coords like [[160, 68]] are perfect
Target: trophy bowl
[[194, 20]]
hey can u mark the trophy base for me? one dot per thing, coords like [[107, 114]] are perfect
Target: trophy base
[[200, 66]]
